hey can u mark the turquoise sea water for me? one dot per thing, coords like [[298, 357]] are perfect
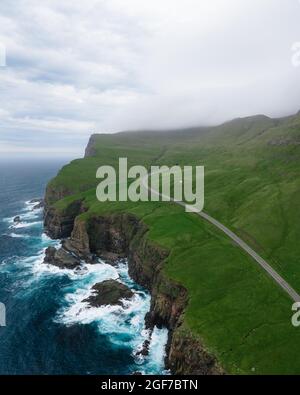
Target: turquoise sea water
[[49, 329]]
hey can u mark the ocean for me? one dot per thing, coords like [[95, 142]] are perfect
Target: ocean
[[49, 330]]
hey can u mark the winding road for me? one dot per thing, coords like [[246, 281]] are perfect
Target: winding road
[[262, 263]]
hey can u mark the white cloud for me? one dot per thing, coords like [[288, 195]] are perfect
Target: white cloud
[[107, 65]]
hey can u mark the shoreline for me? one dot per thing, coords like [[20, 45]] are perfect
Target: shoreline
[[112, 321], [125, 235]]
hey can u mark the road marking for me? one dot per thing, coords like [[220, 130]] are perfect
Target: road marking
[[272, 273]]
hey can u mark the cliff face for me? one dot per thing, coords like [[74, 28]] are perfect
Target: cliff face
[[59, 224], [90, 148], [187, 355], [120, 235], [53, 194]]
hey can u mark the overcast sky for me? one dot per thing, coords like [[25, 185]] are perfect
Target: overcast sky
[[77, 67]]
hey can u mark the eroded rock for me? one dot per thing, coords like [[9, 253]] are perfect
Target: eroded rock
[[39, 205], [36, 200], [109, 292], [61, 258]]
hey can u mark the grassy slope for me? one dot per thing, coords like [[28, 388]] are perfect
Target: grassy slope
[[253, 187]]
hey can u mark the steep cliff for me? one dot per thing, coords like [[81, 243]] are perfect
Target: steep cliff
[[120, 235], [59, 223], [252, 186], [187, 355], [90, 148]]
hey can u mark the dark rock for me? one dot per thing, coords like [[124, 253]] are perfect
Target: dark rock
[[145, 348], [188, 356], [125, 234], [79, 240], [59, 223], [111, 258], [17, 219], [85, 256], [109, 292], [107, 234], [61, 258], [90, 149], [36, 201], [39, 205]]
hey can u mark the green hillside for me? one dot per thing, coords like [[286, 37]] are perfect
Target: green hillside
[[252, 185]]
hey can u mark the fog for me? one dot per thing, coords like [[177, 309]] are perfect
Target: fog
[[74, 68]]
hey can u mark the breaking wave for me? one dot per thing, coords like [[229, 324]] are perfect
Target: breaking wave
[[122, 326]]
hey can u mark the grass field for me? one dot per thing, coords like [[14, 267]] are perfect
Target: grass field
[[252, 185]]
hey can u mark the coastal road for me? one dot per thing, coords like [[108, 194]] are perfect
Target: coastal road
[[244, 246]]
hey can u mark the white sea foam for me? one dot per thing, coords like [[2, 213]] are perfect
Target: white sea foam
[[157, 349], [124, 325], [87, 273], [8, 220], [18, 235], [45, 238], [120, 323], [27, 214], [20, 225], [29, 205], [30, 215]]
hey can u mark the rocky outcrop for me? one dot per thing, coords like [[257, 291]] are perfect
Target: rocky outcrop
[[145, 259], [17, 219], [115, 237], [187, 355], [144, 351], [109, 234], [168, 303], [121, 235], [59, 223], [90, 148], [61, 258], [38, 203], [36, 200], [79, 240], [109, 292], [54, 193]]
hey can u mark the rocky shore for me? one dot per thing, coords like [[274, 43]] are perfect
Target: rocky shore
[[115, 236], [109, 292]]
